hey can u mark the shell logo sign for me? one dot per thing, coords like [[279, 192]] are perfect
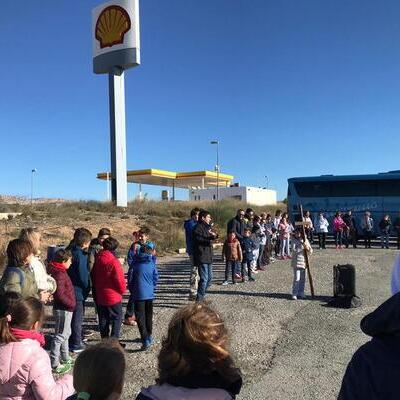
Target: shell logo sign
[[116, 39], [111, 26]]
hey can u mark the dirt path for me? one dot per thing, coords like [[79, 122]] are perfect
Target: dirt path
[[286, 349]]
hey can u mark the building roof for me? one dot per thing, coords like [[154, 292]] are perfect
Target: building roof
[[185, 180]]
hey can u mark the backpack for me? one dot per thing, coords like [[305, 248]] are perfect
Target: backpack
[[18, 272]]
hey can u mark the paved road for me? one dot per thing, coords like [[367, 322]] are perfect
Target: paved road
[[286, 349]]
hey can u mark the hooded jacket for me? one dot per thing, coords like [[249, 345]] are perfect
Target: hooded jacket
[[189, 225], [143, 277], [237, 225], [108, 279], [374, 370], [79, 273], [64, 296], [25, 373]]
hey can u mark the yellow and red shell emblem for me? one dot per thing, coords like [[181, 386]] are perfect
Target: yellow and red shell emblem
[[111, 26]]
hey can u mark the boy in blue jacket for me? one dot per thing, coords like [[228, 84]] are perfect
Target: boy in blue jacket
[[248, 246], [142, 281], [80, 278], [140, 239]]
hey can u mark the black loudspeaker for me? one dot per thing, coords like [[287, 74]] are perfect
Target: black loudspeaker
[[344, 280]]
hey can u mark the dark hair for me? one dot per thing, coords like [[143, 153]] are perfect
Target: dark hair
[[100, 370], [247, 230], [203, 214], [145, 230], [256, 218], [231, 231], [104, 232], [61, 256], [24, 314], [249, 210], [18, 250], [194, 211], [196, 343], [82, 236], [337, 213], [278, 212], [239, 211], [110, 244]]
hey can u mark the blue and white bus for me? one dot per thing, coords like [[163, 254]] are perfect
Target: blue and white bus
[[379, 194]]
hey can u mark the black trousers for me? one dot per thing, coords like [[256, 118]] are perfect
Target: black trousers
[[110, 317], [130, 308], [144, 317], [367, 238], [350, 236], [321, 239]]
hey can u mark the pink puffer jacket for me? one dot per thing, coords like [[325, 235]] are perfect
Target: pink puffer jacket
[[25, 374]]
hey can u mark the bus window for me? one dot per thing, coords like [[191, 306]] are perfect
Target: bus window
[[389, 188], [313, 189], [353, 188]]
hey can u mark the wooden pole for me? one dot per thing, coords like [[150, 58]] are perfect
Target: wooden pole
[[304, 237]]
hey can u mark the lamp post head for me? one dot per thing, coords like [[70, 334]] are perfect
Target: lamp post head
[[34, 170], [214, 142]]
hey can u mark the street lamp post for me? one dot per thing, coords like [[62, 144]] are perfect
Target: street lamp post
[[33, 171], [216, 142], [266, 178]]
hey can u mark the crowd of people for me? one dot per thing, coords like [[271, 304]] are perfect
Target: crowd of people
[[194, 360]]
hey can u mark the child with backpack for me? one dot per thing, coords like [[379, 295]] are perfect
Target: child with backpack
[[63, 306], [109, 286], [142, 281], [25, 371], [194, 361], [99, 372], [18, 277], [232, 254]]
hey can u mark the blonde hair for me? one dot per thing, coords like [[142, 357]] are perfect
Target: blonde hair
[[196, 343], [31, 235]]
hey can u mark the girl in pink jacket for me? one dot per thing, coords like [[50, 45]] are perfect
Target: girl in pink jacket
[[338, 227], [25, 371]]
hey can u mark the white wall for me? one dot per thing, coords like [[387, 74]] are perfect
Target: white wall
[[251, 195]]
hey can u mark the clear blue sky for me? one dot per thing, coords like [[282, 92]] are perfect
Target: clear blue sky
[[290, 88]]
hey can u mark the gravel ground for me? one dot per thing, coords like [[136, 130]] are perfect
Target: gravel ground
[[286, 349]]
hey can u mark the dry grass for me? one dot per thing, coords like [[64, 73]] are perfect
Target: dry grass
[[57, 221]]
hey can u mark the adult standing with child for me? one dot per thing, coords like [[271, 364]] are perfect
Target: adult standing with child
[[203, 238]]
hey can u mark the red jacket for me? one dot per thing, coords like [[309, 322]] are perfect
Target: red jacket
[[108, 279], [64, 296]]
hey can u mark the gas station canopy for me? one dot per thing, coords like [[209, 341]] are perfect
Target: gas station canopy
[[184, 180]]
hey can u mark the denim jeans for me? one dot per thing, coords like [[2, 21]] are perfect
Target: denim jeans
[[75, 340], [385, 239], [62, 332], [338, 238], [285, 247], [230, 266], [260, 255], [110, 317], [299, 280], [206, 274], [248, 265]]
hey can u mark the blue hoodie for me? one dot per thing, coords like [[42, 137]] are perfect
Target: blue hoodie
[[79, 273], [143, 277]]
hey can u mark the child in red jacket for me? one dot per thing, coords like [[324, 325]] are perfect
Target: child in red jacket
[[109, 283], [63, 306]]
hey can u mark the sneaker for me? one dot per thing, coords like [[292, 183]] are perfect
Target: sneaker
[[77, 350], [238, 276], [130, 321], [151, 340], [337, 247], [251, 279], [224, 283], [88, 334], [234, 283], [69, 361], [289, 257], [123, 345], [145, 345], [62, 369], [294, 297]]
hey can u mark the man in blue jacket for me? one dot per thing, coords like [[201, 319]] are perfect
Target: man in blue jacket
[[189, 226], [80, 278]]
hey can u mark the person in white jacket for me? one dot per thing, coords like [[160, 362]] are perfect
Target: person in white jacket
[[321, 227], [45, 282]]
